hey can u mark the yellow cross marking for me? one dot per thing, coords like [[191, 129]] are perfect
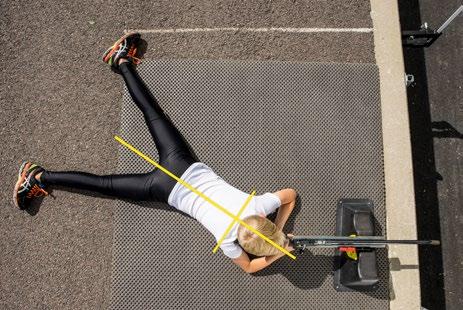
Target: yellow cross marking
[[248, 200]]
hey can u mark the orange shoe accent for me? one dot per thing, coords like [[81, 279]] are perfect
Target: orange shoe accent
[[37, 191], [20, 180], [25, 169], [132, 52]]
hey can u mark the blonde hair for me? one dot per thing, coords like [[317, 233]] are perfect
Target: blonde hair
[[254, 244]]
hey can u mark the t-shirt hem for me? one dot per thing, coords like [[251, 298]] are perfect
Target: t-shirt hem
[[178, 185], [241, 252], [275, 196]]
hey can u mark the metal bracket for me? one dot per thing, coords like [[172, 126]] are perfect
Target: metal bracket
[[409, 80], [425, 36], [419, 38]]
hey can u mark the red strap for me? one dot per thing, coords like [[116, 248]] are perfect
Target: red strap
[[347, 249]]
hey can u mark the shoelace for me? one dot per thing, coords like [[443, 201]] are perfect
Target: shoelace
[[132, 52], [36, 191], [121, 47]]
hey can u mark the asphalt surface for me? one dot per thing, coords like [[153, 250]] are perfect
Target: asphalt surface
[[445, 75], [61, 106], [436, 114]]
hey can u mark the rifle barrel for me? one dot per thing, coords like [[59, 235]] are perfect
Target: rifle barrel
[[359, 241]]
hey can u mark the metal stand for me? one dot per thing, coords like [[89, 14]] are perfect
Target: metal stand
[[355, 217], [425, 36]]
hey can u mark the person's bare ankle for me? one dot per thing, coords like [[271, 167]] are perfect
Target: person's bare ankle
[[38, 175], [122, 60]]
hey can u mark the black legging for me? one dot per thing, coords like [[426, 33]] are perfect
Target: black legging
[[174, 154]]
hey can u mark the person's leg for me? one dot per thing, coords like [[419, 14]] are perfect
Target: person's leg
[[174, 154], [166, 136], [130, 186]]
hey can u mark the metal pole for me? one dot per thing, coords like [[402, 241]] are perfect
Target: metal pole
[[450, 19]]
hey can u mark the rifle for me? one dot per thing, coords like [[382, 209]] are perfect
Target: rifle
[[300, 243]]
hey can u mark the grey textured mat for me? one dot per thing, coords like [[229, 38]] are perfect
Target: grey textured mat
[[265, 126]]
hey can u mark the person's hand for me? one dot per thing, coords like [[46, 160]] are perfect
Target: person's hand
[[288, 246], [289, 238]]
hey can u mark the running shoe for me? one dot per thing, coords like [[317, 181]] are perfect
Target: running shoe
[[129, 46], [27, 187]]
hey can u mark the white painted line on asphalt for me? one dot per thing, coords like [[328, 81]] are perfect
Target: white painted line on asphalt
[[245, 29]]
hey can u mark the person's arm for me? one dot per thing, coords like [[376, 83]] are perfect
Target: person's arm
[[251, 266], [288, 201]]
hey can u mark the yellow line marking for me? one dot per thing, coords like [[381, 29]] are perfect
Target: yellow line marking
[[248, 200], [194, 190]]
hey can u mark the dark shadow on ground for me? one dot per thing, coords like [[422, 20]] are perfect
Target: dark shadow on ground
[[309, 271], [443, 129], [424, 168], [396, 265], [35, 205]]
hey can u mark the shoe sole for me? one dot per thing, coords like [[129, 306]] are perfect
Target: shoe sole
[[21, 177], [108, 55]]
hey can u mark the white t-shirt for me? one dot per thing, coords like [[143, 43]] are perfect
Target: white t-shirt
[[203, 178]]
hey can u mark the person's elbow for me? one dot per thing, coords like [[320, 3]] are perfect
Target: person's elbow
[[251, 268], [289, 195], [292, 193], [248, 269]]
